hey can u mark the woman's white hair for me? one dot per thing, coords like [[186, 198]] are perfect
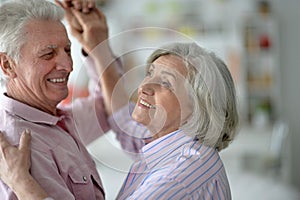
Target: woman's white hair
[[14, 15], [214, 119]]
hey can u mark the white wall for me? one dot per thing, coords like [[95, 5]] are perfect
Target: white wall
[[289, 16]]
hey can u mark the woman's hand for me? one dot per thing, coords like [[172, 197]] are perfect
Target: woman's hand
[[14, 168], [14, 161]]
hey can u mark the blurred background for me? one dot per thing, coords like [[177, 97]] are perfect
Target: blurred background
[[259, 41]]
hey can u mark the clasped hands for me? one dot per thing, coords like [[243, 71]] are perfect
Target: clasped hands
[[84, 6], [86, 22]]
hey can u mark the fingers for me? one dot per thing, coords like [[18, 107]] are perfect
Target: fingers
[[84, 6], [82, 18], [64, 4], [3, 144], [91, 4], [96, 14], [88, 5], [76, 33], [25, 140]]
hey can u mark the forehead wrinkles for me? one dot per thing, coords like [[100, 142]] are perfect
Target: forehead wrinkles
[[40, 30], [45, 42], [166, 69], [173, 62]]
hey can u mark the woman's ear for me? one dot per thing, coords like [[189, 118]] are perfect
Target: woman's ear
[[7, 65]]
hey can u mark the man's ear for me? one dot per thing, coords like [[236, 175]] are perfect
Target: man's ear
[[7, 65]]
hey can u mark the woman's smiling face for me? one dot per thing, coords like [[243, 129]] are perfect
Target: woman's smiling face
[[163, 101]]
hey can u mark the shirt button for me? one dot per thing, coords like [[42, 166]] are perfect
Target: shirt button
[[84, 178]]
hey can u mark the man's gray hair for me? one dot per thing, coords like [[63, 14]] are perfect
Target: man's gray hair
[[14, 15], [215, 118]]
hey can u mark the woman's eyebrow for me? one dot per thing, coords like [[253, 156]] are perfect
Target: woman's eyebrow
[[152, 66], [169, 74]]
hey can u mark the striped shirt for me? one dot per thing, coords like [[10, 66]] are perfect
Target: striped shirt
[[177, 166]]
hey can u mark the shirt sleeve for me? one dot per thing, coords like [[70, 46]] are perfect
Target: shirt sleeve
[[89, 113], [214, 189]]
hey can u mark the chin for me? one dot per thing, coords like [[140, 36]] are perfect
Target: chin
[[140, 118]]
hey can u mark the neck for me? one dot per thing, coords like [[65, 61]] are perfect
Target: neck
[[28, 101], [158, 134]]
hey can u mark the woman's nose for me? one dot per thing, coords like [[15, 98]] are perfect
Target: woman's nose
[[147, 89]]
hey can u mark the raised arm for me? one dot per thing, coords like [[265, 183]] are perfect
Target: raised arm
[[91, 30]]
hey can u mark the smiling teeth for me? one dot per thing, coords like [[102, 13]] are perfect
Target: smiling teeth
[[146, 104], [58, 80]]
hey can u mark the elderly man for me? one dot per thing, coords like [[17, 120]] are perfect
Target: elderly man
[[35, 58]]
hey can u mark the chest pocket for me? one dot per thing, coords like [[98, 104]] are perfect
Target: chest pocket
[[81, 184]]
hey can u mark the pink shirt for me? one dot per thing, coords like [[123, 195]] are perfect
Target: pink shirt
[[59, 159]]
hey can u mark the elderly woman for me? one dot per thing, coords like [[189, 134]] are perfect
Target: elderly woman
[[187, 100], [35, 60]]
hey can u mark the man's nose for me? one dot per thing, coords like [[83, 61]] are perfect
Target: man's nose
[[64, 62]]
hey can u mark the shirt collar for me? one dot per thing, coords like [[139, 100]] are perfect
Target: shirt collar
[[27, 112], [160, 148]]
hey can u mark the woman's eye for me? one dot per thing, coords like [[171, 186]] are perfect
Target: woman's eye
[[166, 84], [149, 73]]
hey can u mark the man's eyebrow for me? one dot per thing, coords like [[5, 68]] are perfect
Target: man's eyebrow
[[51, 46]]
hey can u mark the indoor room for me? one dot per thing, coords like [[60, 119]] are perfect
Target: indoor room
[[259, 42]]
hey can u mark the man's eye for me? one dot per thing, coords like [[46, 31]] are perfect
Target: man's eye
[[68, 51], [48, 56]]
